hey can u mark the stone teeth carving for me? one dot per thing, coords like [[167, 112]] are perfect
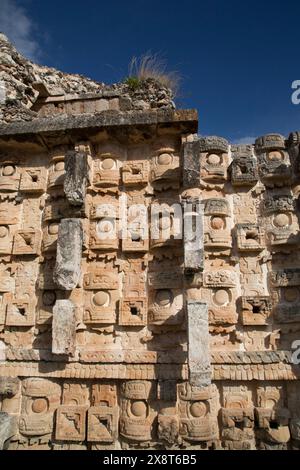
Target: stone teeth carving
[[69, 251], [63, 327]]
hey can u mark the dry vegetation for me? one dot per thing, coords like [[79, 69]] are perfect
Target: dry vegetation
[[154, 67]]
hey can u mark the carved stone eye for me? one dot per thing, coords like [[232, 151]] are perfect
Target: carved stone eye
[[59, 166], [53, 229], [198, 409], [281, 220], [217, 223], [3, 231], [275, 156], [164, 159], [221, 297], [213, 159], [164, 297], [39, 405], [108, 164], [101, 298], [49, 298], [139, 408], [106, 226], [8, 170]]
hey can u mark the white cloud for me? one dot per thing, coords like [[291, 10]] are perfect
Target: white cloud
[[18, 27], [244, 141]]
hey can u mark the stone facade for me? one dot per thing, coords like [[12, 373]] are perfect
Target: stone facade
[[121, 334]]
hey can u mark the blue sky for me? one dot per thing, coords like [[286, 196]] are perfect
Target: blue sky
[[238, 59]]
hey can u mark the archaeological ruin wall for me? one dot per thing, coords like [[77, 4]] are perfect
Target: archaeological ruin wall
[[149, 279]]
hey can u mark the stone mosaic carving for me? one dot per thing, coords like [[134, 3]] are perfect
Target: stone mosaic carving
[[149, 281]]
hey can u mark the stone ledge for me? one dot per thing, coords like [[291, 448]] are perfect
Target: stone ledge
[[187, 118], [150, 357], [147, 371]]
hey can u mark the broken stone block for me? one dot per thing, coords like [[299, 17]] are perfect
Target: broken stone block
[[68, 257], [7, 428], [198, 344], [191, 165], [193, 235], [63, 327], [9, 386], [76, 178]]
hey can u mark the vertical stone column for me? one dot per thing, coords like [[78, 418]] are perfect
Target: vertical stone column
[[63, 327], [76, 177], [68, 257], [198, 344], [197, 310]]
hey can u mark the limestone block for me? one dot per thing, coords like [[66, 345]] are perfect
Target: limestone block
[[193, 235], [7, 428], [76, 177], [63, 327], [9, 386], [68, 257], [198, 344]]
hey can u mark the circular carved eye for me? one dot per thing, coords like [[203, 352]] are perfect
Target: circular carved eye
[[214, 159], [39, 405], [281, 220], [198, 409], [53, 229], [106, 226], [108, 164], [164, 297], [139, 408], [8, 170], [49, 298], [291, 294], [164, 159], [217, 223], [275, 156], [3, 231], [221, 297], [59, 166], [101, 299]]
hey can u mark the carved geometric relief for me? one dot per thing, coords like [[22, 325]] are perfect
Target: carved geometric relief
[[103, 415], [135, 172], [33, 180], [71, 423], [250, 237], [165, 228], [40, 399], [165, 164], [213, 159], [273, 160], [136, 417], [10, 213], [165, 307], [255, 310], [196, 413], [27, 242], [6, 239], [107, 165], [20, 312], [9, 177], [133, 311], [56, 174], [100, 306], [216, 224], [243, 168]]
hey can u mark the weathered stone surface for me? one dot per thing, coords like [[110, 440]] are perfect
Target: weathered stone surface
[[76, 178], [7, 428], [193, 235], [68, 257], [198, 344], [63, 327], [9, 386]]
